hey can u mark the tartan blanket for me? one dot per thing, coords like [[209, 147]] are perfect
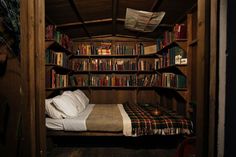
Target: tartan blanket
[[168, 123]]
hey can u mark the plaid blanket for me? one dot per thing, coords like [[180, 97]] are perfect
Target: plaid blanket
[[168, 123]]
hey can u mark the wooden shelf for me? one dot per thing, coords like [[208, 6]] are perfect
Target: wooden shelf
[[55, 46], [177, 68], [113, 87], [182, 43], [193, 42], [58, 67], [146, 71], [171, 88], [114, 72]]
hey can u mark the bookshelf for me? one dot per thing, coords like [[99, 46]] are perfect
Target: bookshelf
[[111, 71], [117, 64], [175, 66], [115, 69], [58, 48]]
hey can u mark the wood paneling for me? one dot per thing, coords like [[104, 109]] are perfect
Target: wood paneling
[[90, 10], [33, 85]]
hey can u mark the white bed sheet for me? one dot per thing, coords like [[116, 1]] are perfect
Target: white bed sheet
[[70, 124]]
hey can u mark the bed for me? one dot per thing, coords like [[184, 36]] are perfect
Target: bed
[[119, 120]]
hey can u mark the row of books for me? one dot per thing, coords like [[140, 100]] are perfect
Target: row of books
[[179, 32], [173, 80], [113, 80], [146, 65], [102, 64], [172, 56], [108, 49], [58, 58], [149, 80], [51, 33], [167, 59], [55, 80]]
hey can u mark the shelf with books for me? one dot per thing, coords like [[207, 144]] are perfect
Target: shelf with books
[[114, 72], [54, 45], [176, 68], [113, 87], [172, 62], [178, 42], [57, 51]]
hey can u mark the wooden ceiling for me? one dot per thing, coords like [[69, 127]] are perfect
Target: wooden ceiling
[[97, 18]]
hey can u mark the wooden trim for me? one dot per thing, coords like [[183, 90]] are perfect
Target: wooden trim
[[27, 47], [32, 90], [213, 79], [40, 78], [202, 78]]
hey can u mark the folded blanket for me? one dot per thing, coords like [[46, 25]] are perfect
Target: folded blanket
[[105, 117]]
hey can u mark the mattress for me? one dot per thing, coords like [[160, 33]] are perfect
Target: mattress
[[70, 124], [99, 118]]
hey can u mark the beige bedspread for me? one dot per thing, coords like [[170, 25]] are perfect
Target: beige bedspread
[[105, 117]]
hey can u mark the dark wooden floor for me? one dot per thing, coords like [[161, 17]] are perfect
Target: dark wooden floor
[[112, 146]]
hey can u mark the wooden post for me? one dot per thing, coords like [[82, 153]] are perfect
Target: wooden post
[[32, 66]]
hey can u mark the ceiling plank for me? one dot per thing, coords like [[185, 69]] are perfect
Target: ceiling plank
[[114, 15], [74, 7]]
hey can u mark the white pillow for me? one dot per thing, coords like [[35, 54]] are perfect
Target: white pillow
[[51, 111], [82, 97], [66, 104], [79, 105]]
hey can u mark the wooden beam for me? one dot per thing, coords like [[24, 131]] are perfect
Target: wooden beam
[[114, 16], [49, 20], [85, 22], [155, 5], [74, 7], [101, 21]]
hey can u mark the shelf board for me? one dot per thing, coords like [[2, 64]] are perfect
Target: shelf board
[[113, 56], [113, 87], [114, 72], [177, 68], [193, 42], [146, 72], [80, 72], [182, 43], [148, 56], [79, 56], [55, 46], [146, 87], [57, 67], [171, 88], [66, 88]]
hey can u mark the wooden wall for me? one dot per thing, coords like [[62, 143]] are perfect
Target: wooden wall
[[11, 107]]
